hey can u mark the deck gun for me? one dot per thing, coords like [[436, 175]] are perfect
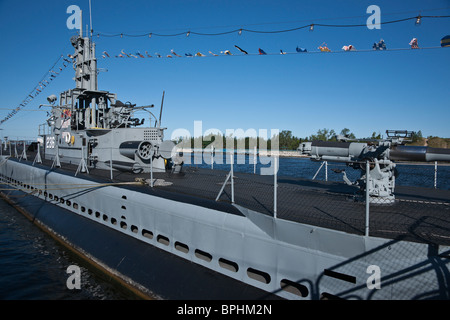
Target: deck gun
[[380, 154]]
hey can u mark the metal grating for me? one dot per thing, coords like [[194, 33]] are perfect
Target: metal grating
[[150, 134]]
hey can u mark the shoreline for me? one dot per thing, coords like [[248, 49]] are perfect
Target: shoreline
[[264, 153]]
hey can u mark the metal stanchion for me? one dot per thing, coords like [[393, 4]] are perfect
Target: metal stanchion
[[275, 185], [232, 176], [367, 198], [254, 161]]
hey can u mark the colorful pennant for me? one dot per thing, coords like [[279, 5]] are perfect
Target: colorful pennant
[[445, 41], [414, 44], [380, 45], [324, 48], [241, 50], [348, 48]]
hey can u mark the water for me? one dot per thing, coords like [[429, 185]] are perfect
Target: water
[[408, 175], [33, 265]]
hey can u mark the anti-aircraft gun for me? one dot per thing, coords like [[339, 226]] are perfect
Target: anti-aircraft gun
[[378, 154]]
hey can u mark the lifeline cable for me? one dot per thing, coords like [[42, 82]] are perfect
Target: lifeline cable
[[241, 30]]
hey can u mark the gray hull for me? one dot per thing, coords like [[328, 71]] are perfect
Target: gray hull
[[291, 260]]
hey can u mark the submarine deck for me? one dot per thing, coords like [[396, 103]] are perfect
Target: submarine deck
[[418, 214]]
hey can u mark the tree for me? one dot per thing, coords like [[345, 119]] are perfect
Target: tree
[[324, 135], [287, 141], [417, 136], [375, 136], [346, 133]]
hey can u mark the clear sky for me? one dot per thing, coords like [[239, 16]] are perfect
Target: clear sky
[[364, 91]]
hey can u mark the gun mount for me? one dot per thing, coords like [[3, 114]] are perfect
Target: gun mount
[[380, 155]]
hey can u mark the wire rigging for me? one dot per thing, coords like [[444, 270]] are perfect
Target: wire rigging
[[58, 66], [241, 30]]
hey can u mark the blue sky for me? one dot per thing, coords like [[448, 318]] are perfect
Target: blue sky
[[364, 91]]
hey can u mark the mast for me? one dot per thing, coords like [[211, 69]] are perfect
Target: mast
[[86, 63], [85, 79]]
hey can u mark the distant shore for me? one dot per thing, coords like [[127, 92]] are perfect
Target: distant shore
[[264, 153]]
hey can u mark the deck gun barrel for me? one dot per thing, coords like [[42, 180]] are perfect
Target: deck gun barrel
[[357, 151], [417, 153], [381, 155]]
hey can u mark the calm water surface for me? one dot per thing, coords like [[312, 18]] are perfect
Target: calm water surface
[[33, 265]]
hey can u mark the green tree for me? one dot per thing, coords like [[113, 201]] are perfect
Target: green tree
[[287, 141], [375, 136], [346, 133], [324, 135]]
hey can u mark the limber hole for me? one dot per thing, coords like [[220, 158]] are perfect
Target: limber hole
[[229, 265], [294, 288], [202, 255], [147, 234], [181, 247], [163, 240], [258, 275]]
